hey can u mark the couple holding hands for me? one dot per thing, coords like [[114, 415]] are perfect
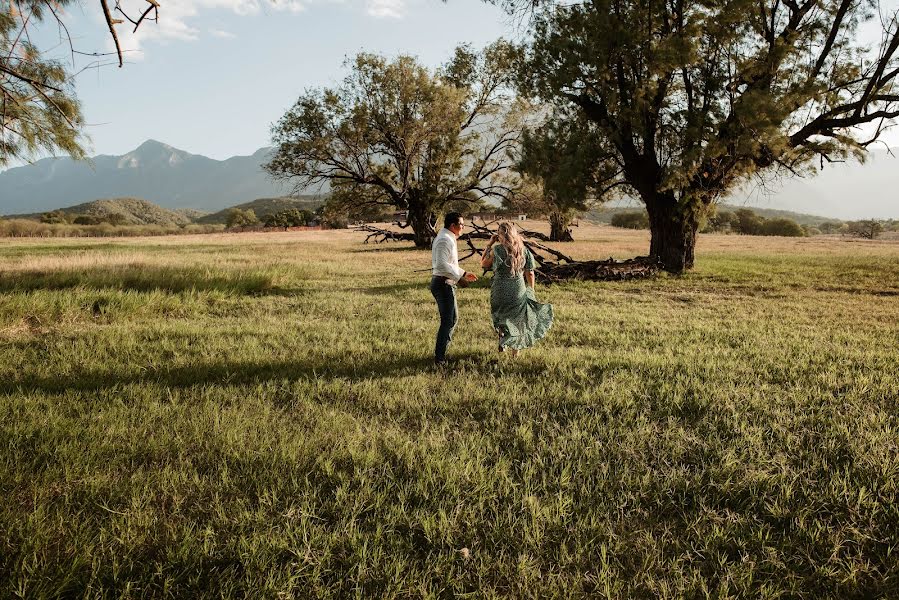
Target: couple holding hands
[[518, 319]]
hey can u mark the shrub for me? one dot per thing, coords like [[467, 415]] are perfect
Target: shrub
[[87, 220], [830, 226], [868, 229], [289, 218], [631, 220], [335, 221], [237, 217], [54, 216], [781, 227], [720, 222], [747, 222], [809, 230]]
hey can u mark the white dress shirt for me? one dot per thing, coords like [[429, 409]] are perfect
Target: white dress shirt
[[445, 256]]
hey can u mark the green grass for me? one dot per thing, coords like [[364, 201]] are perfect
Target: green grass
[[256, 416]]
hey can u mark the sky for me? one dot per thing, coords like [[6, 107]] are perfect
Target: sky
[[213, 75]]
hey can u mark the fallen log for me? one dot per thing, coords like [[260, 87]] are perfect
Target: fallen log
[[640, 267], [384, 235], [553, 266]]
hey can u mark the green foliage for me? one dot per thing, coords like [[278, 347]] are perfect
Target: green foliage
[[333, 216], [721, 221], [723, 214], [395, 134], [39, 112], [241, 218], [830, 226], [868, 229], [55, 216], [782, 227], [86, 220], [566, 171], [31, 228], [747, 222], [637, 219], [291, 217], [258, 419], [810, 231], [262, 207], [344, 204], [690, 99]]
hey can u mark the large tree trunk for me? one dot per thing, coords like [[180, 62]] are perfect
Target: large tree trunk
[[422, 220], [558, 227], [673, 226]]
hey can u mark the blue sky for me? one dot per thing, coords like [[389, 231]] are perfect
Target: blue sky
[[213, 75]]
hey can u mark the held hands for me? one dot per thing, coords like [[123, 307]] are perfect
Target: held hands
[[467, 278]]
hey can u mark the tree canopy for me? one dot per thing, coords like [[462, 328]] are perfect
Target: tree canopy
[[695, 97], [567, 170], [395, 134], [39, 110]]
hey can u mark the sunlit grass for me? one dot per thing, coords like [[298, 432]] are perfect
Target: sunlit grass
[[256, 416]]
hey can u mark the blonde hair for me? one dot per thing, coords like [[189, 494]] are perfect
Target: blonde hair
[[510, 239]]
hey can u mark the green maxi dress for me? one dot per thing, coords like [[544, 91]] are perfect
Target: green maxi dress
[[517, 315]]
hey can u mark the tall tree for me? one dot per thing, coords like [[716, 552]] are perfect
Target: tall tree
[[567, 169], [39, 111], [396, 134], [695, 97]]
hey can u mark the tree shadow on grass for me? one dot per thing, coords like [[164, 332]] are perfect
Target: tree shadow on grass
[[237, 373], [395, 247], [395, 288], [142, 278]]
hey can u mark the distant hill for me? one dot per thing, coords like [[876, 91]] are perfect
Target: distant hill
[[605, 214], [847, 191], [155, 171], [266, 206], [773, 213], [174, 178], [131, 211]]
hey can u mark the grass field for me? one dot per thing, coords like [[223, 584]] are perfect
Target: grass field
[[256, 416]]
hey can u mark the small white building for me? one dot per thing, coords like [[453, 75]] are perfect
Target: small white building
[[522, 217]]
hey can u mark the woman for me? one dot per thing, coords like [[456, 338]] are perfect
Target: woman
[[517, 316]]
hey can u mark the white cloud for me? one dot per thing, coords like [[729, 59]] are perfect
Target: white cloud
[[393, 9], [221, 33], [182, 20], [178, 20]]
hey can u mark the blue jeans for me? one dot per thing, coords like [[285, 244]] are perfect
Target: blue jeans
[[445, 295]]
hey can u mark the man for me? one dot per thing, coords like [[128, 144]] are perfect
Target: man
[[446, 275]]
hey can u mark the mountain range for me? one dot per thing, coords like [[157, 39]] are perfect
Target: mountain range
[[154, 171], [176, 179]]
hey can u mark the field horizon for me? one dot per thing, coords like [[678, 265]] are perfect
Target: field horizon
[[256, 415]]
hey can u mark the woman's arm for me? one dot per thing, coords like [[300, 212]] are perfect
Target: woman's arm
[[487, 257], [529, 278]]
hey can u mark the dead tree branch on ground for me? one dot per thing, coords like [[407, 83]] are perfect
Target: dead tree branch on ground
[[554, 266]]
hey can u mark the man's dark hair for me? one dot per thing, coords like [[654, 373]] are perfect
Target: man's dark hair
[[452, 218]]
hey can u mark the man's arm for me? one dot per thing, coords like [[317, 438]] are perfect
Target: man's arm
[[444, 254]]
